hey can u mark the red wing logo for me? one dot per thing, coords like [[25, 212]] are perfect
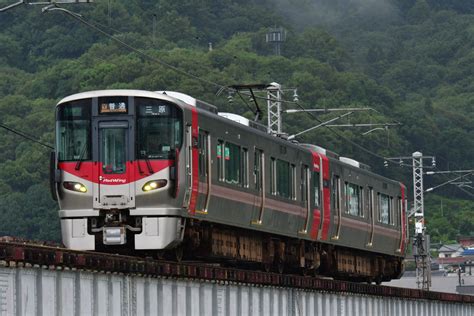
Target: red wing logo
[[113, 180]]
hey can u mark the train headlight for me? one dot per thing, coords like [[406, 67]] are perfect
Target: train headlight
[[75, 186], [155, 184]]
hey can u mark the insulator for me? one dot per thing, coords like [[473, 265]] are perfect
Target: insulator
[[295, 95]]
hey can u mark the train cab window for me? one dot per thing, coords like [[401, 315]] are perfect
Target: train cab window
[[73, 130], [113, 150], [232, 163], [353, 199], [257, 169], [384, 208], [316, 189], [159, 128]]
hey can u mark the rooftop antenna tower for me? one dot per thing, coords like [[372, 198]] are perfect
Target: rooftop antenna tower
[[276, 36]]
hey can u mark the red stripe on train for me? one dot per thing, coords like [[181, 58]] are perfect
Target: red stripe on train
[[135, 170], [326, 199], [195, 161]]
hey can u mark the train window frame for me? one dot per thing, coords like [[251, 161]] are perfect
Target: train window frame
[[79, 126], [234, 167], [394, 210], [283, 179], [349, 209], [381, 211], [147, 124]]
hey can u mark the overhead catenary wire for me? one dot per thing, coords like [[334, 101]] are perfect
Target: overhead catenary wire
[[26, 136], [81, 19]]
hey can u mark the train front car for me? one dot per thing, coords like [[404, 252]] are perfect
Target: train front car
[[114, 170]]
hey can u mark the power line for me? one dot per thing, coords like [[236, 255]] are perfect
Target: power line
[[26, 136], [81, 19], [370, 152]]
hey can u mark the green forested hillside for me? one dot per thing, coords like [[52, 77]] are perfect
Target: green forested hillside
[[410, 60]]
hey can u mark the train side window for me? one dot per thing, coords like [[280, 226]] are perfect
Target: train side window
[[316, 189], [232, 165], [304, 170], [257, 169], [384, 208], [245, 167], [220, 160], [393, 210], [353, 199], [202, 145], [283, 178]]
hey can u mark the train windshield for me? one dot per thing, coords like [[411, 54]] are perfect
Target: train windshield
[[159, 128], [73, 130]]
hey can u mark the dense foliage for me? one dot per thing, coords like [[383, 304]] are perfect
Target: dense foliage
[[408, 59]]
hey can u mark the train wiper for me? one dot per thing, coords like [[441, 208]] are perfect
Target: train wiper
[[81, 156], [148, 164], [147, 161]]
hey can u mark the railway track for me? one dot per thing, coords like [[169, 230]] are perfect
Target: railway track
[[28, 254]]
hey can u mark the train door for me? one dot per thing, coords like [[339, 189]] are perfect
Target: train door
[[259, 185], [371, 216], [204, 168], [114, 187], [337, 206]]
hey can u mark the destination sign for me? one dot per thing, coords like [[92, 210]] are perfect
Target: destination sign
[[113, 107]]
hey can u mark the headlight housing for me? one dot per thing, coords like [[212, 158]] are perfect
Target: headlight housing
[[154, 184], [75, 186]]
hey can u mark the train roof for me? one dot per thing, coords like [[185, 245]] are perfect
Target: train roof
[[114, 92], [171, 96]]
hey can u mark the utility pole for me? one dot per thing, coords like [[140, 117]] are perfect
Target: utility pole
[[421, 242], [274, 95]]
